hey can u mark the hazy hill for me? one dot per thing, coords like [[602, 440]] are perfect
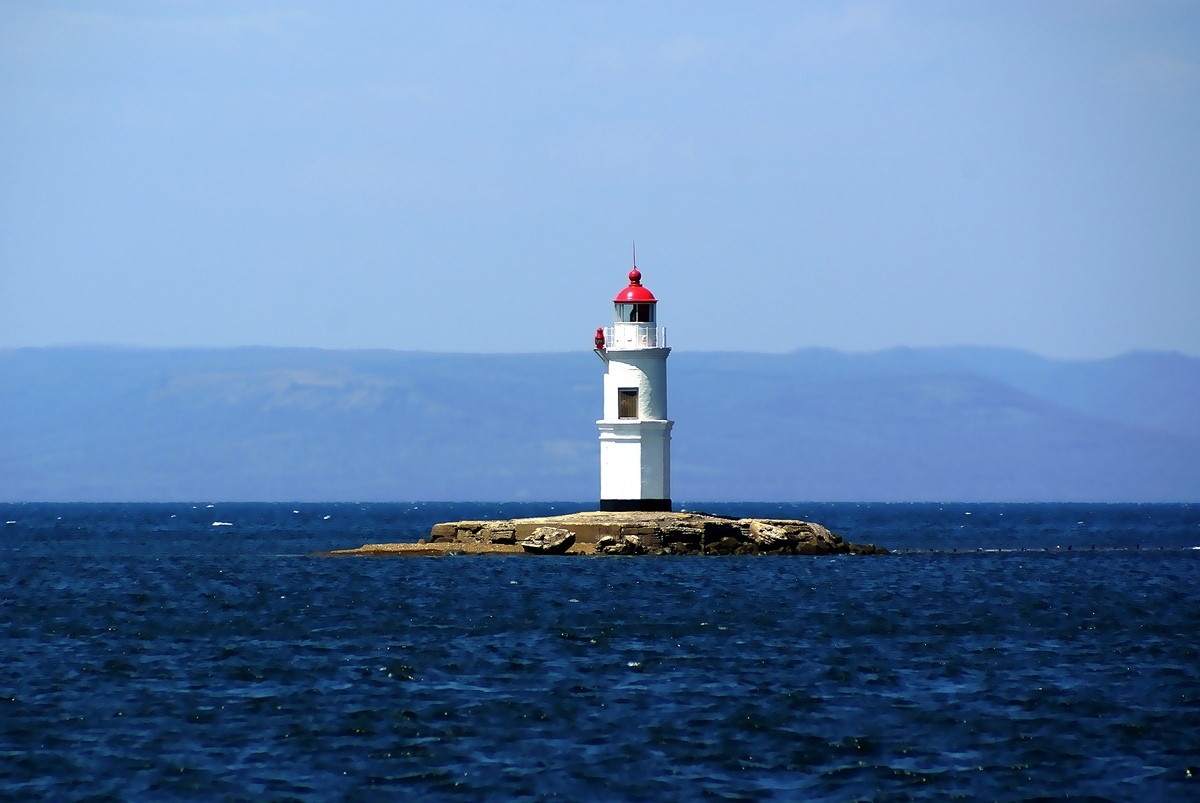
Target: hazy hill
[[301, 424]]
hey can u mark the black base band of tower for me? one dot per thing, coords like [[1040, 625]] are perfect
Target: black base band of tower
[[615, 505]]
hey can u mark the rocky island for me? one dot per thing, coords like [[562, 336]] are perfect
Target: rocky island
[[626, 533]]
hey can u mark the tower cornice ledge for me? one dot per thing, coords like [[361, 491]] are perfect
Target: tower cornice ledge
[[634, 352], [626, 533]]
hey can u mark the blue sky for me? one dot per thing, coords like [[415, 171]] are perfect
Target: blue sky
[[469, 176]]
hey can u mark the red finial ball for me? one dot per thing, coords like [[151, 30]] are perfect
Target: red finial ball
[[634, 293]]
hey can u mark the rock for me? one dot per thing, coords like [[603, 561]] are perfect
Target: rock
[[633, 545], [469, 533], [628, 545], [502, 535], [549, 541], [769, 535], [681, 540], [446, 531], [823, 534], [726, 546], [718, 530]]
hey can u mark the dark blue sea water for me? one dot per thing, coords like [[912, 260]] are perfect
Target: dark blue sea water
[[148, 654]]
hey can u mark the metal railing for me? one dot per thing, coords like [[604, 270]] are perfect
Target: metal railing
[[635, 336]]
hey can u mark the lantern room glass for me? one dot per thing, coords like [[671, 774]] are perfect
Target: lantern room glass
[[634, 313]]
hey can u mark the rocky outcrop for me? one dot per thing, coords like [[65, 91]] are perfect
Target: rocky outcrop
[[549, 541], [644, 533]]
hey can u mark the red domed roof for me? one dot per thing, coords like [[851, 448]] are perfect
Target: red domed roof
[[635, 292]]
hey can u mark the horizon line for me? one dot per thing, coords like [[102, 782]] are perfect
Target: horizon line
[[115, 347]]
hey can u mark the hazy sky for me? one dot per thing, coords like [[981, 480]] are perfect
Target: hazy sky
[[469, 176]]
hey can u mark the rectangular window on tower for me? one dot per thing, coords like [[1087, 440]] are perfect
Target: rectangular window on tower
[[627, 403]]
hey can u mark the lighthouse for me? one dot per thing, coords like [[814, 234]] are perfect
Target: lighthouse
[[635, 434]]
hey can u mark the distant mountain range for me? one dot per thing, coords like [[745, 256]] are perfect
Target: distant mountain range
[[953, 424]]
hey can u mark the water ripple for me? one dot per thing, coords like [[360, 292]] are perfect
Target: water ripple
[[144, 665]]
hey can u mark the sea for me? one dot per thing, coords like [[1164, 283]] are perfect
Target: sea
[[207, 651]]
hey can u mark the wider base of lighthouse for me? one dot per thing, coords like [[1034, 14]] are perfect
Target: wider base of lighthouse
[[635, 465], [635, 505]]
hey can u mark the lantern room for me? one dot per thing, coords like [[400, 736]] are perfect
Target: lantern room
[[634, 317]]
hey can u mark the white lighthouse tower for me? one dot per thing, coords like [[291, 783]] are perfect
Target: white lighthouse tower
[[635, 435]]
